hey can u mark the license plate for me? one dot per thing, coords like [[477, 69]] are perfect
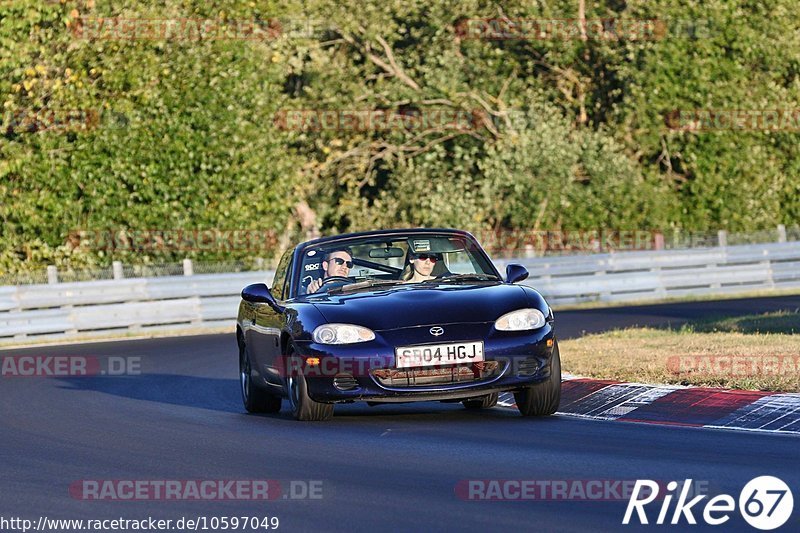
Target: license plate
[[439, 354]]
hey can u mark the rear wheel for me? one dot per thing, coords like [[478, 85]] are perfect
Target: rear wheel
[[542, 399], [482, 402], [255, 399], [303, 407]]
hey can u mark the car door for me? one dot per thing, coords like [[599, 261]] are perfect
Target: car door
[[264, 332]]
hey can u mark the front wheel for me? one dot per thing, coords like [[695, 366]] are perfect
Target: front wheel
[[255, 399], [303, 407], [542, 399]]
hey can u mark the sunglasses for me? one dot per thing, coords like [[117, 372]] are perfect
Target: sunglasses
[[339, 261], [424, 257]]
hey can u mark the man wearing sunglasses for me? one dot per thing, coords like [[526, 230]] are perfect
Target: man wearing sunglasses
[[336, 263]]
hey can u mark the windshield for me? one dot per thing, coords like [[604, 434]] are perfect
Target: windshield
[[353, 264]]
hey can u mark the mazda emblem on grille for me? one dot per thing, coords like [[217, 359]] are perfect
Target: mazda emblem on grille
[[436, 331]]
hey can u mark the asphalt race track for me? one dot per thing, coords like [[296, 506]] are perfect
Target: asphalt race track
[[394, 467], [574, 323]]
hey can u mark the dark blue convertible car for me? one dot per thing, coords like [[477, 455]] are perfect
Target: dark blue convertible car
[[395, 316]]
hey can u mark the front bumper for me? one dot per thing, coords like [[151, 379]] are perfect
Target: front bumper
[[366, 371]]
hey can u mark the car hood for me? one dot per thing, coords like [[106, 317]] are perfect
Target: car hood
[[414, 305]]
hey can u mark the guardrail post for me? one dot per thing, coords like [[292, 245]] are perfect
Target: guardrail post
[[18, 308], [781, 233], [770, 280], [530, 251], [660, 290], [188, 268], [722, 238], [602, 271], [117, 267], [52, 275]]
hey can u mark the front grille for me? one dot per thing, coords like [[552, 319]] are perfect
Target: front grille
[[345, 382], [419, 377]]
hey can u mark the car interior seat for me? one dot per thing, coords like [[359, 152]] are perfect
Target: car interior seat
[[440, 269]]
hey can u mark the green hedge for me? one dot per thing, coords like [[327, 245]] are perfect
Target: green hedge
[[108, 134]]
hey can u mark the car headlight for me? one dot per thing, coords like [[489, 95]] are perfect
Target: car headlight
[[342, 334], [520, 320]]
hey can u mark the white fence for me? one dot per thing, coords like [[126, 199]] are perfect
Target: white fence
[[175, 303]]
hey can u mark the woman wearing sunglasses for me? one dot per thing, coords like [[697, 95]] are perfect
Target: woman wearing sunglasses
[[421, 266]]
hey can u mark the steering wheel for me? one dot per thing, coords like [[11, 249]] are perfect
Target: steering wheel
[[334, 279]]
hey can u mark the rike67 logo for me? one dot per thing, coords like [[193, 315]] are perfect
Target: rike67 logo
[[765, 503]]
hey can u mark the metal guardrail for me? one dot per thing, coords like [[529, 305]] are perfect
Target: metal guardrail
[[62, 310], [66, 310], [631, 276], [501, 244]]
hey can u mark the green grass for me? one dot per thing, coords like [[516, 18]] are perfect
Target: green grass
[[754, 352]]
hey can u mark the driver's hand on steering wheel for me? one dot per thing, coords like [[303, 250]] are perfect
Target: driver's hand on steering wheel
[[314, 286]]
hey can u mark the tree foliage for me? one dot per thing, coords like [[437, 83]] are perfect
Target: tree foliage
[[554, 133]]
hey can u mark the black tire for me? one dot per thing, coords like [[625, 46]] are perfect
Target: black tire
[[482, 402], [542, 399], [303, 407], [254, 398]]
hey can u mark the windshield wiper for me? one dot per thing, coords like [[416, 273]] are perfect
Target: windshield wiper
[[465, 277], [364, 285]]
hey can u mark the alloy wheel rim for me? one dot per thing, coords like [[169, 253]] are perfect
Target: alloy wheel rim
[[244, 376], [293, 392]]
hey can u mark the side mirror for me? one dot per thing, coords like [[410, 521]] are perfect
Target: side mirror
[[258, 293], [515, 272]]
